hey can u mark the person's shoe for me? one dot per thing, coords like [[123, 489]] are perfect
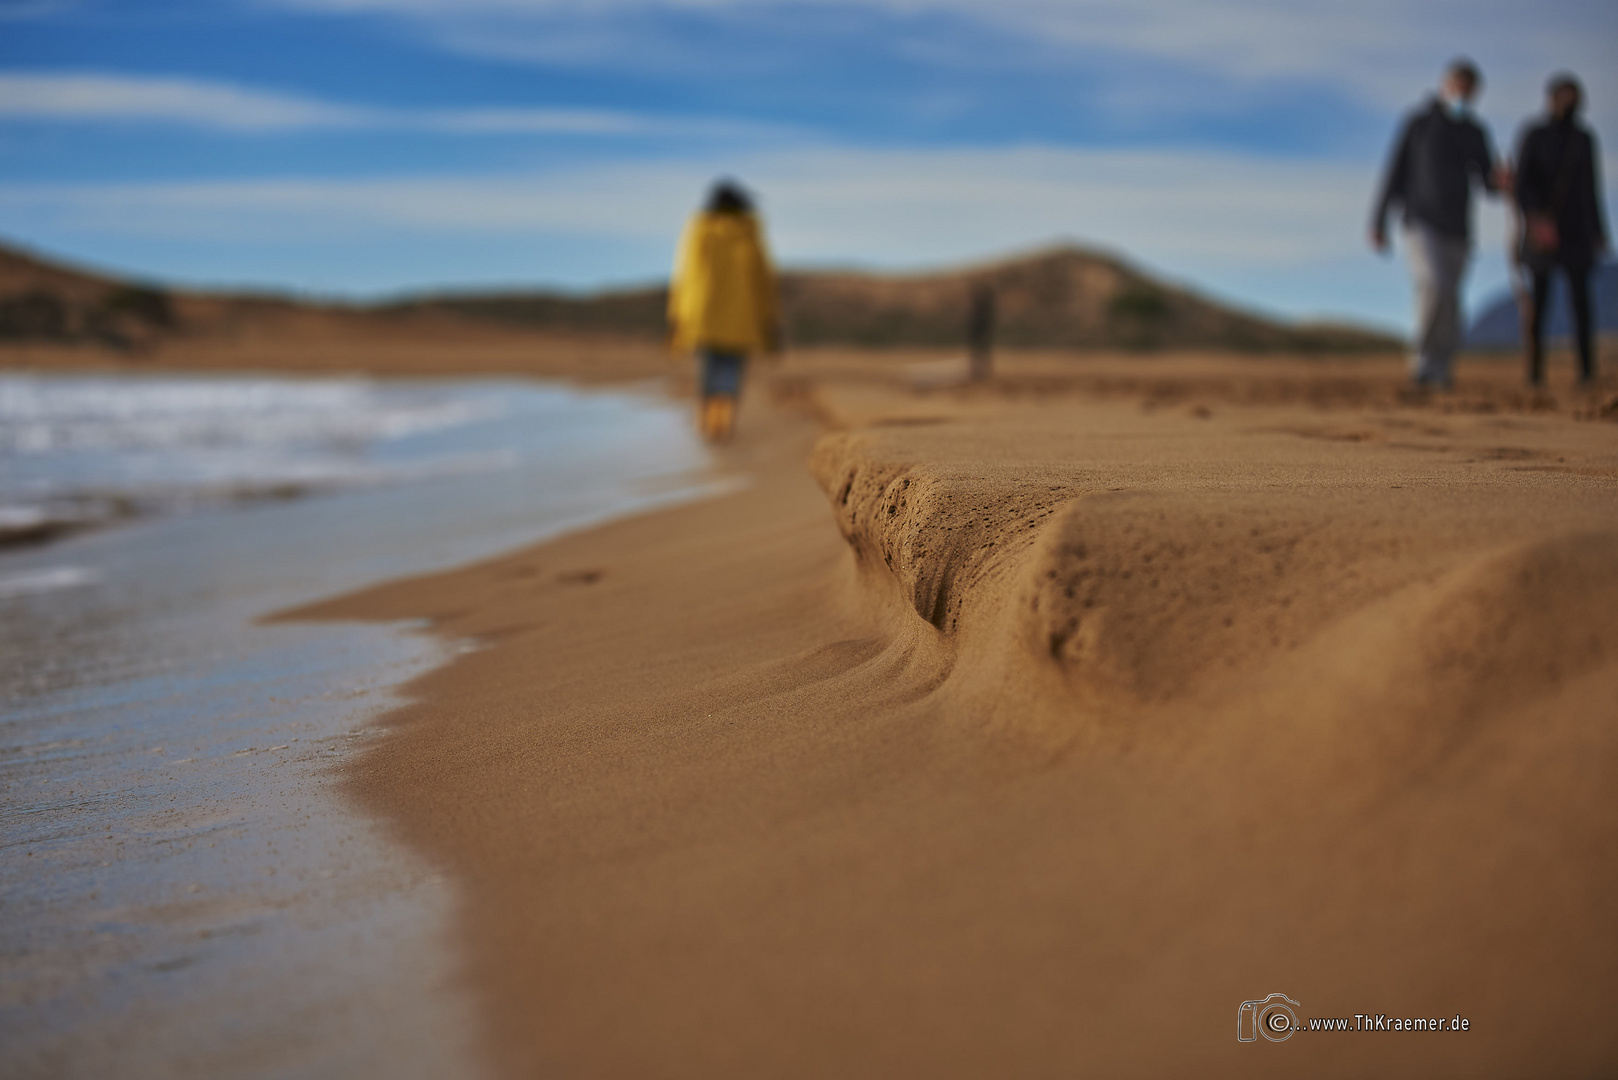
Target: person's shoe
[[724, 417]]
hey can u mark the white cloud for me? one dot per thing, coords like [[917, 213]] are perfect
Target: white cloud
[[69, 97], [1193, 211], [1380, 51], [1272, 232], [187, 101], [21, 10], [580, 122], [1384, 54]]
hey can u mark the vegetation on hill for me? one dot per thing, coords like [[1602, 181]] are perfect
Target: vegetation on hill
[[43, 302], [1063, 298]]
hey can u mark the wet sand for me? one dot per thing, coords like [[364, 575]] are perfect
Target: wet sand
[[317, 344], [1030, 729], [186, 888]]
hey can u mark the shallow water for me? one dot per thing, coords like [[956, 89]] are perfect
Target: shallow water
[[183, 888]]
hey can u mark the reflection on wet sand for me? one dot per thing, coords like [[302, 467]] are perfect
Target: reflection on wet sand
[[187, 889]]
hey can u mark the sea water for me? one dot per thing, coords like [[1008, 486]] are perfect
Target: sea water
[[184, 888]]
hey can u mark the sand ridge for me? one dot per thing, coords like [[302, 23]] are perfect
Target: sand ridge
[[1035, 733]]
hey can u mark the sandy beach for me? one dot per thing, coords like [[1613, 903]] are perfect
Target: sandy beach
[[877, 540], [1029, 729]]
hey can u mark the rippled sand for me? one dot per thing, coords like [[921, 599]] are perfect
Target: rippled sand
[[1030, 729]]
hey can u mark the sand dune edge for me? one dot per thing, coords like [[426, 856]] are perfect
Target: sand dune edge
[[1069, 728]]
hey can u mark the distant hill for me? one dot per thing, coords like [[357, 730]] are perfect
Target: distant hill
[[45, 301], [1065, 297], [42, 300], [1496, 327]]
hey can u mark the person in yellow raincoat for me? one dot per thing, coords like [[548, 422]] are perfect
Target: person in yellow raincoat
[[722, 301]]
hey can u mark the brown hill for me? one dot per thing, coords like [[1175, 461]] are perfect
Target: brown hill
[[44, 301], [1064, 297]]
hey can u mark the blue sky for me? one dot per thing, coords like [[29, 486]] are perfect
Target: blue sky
[[366, 147]]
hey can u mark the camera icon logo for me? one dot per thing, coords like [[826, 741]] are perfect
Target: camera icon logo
[[1272, 1018]]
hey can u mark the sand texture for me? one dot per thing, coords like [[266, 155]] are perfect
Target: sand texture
[[1027, 730]]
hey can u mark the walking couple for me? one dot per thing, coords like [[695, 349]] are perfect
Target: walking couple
[[1442, 152]]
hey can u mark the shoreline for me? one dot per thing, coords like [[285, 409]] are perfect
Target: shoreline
[[36, 517], [923, 768], [181, 837]]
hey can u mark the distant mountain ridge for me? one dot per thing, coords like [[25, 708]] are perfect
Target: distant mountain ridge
[[45, 301], [1064, 297], [1498, 327]]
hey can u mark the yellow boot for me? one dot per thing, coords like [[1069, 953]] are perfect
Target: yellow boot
[[706, 415], [724, 417]]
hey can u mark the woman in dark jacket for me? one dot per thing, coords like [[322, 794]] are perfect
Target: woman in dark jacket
[[1559, 196]]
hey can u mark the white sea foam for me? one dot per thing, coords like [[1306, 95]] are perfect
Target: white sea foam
[[40, 415], [80, 449], [22, 517], [49, 579]]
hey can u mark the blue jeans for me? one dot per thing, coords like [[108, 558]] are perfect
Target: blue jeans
[[722, 372]]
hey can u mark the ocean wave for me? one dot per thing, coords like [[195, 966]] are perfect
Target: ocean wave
[[77, 451], [29, 524], [49, 579], [43, 415]]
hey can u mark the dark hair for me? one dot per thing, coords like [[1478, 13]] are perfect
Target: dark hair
[[729, 197], [1461, 67], [1566, 80]]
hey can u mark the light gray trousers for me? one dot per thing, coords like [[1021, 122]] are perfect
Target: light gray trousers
[[1437, 263]]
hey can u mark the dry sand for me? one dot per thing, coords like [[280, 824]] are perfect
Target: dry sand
[[1032, 728]]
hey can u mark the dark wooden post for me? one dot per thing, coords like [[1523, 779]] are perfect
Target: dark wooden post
[[980, 331]]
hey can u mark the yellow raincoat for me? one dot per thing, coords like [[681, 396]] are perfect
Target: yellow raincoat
[[723, 293]]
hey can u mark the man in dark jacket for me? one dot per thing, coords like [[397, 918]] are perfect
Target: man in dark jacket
[[1441, 153], [1559, 196]]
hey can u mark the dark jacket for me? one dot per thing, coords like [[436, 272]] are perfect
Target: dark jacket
[[1432, 169], [1580, 226]]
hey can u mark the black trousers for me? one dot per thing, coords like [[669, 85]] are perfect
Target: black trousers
[[1578, 289]]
